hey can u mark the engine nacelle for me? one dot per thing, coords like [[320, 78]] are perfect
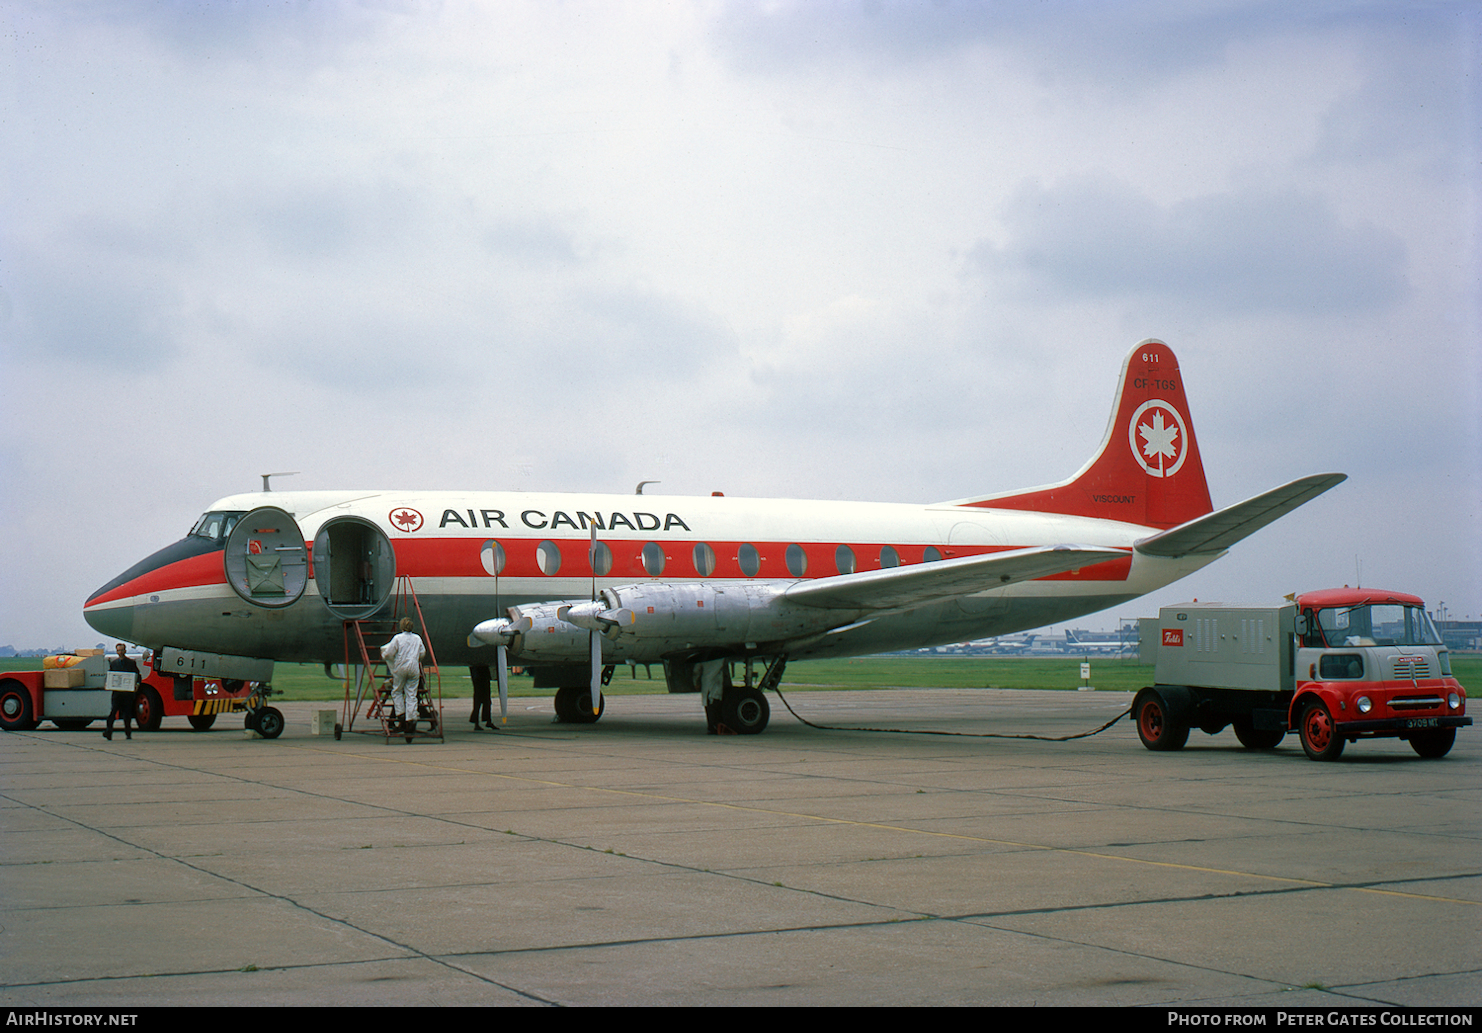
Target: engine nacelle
[[541, 634], [652, 620], [656, 618]]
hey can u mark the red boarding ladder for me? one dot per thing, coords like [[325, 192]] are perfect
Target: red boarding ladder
[[372, 684]]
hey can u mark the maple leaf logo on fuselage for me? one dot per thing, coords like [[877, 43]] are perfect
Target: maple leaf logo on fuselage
[[406, 519]]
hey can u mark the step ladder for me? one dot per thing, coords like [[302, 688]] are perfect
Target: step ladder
[[370, 688]]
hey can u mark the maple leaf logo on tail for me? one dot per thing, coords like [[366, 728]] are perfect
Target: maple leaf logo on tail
[[1157, 434]]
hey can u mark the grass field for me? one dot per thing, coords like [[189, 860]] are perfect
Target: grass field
[[308, 682]]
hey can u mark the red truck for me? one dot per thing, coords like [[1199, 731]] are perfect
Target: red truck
[[72, 693], [1334, 666]]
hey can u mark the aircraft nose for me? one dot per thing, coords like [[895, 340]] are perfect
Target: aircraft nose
[[116, 622], [116, 608]]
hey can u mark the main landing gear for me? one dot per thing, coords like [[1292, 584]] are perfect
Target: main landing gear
[[742, 709], [574, 704]]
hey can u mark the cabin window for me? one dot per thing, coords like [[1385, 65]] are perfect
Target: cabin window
[[652, 558], [797, 561], [548, 558], [601, 558], [844, 559], [492, 555], [704, 558], [931, 555], [750, 559], [889, 557]]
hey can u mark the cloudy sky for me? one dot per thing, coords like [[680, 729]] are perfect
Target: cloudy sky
[[855, 250]]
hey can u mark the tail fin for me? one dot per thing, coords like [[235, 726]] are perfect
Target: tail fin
[[1147, 470]]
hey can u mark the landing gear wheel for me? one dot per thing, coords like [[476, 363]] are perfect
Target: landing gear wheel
[[71, 724], [149, 710], [249, 721], [15, 707], [1253, 738], [270, 723], [201, 722], [1435, 744], [745, 713], [574, 705], [1320, 738], [1156, 729]]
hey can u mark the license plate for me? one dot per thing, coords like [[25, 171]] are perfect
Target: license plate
[[1422, 722]]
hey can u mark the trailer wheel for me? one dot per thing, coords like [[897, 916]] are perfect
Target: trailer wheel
[[201, 722], [15, 707], [1320, 738], [1253, 738], [149, 710], [1155, 727], [270, 723], [1433, 745]]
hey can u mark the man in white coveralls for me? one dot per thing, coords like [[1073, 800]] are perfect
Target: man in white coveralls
[[403, 654]]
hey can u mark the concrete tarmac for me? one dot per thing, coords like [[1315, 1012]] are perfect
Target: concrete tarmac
[[641, 862]]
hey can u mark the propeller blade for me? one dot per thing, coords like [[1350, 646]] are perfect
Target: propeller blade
[[503, 685], [596, 673], [592, 559], [595, 637]]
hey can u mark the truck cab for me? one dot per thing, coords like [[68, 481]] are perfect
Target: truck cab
[[1371, 664]]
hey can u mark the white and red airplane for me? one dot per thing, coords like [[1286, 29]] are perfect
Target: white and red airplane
[[571, 584]]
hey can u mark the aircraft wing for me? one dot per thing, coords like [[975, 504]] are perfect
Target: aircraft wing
[[896, 588], [1217, 531]]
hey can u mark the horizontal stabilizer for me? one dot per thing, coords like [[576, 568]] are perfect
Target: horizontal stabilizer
[[895, 588], [1217, 531]]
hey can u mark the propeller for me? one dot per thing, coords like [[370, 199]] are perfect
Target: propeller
[[499, 633], [595, 637], [503, 671]]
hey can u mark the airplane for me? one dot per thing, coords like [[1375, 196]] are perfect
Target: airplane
[[569, 585]]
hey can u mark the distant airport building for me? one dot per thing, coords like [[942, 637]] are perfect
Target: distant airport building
[[1461, 636]]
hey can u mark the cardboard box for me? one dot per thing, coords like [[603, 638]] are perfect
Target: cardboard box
[[66, 678]]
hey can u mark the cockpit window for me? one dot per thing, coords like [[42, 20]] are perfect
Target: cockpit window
[[215, 526]]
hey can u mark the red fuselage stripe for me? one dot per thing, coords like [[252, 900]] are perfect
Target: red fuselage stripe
[[462, 557]]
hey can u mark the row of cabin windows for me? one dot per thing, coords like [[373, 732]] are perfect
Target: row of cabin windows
[[702, 558]]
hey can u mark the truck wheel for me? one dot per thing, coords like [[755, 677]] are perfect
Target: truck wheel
[[1156, 729], [1435, 744], [1253, 738], [270, 723], [201, 722], [149, 710], [1320, 738], [15, 707]]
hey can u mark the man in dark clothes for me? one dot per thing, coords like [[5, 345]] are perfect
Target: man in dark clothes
[[123, 702], [482, 700]]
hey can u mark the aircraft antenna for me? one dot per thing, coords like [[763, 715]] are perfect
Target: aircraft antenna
[[642, 483], [265, 476]]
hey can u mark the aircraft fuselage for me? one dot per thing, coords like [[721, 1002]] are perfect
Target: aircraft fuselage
[[472, 555]]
